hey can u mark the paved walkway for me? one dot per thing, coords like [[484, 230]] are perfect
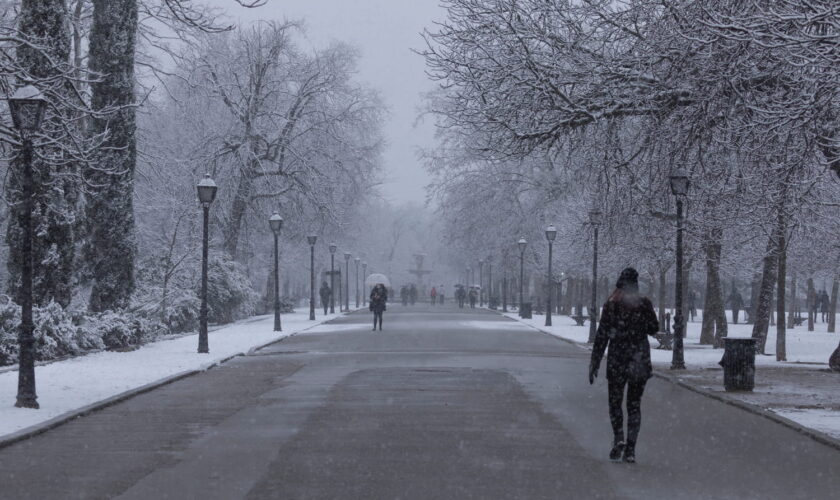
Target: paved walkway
[[445, 403]]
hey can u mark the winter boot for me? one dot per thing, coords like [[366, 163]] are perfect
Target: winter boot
[[617, 450], [630, 453]]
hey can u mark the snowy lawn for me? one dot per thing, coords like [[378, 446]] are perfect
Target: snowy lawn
[[72, 384]]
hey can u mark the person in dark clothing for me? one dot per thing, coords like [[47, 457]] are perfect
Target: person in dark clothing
[[736, 302], [627, 319], [325, 294], [441, 293], [412, 294], [692, 304], [473, 297], [378, 299], [460, 296], [404, 295], [825, 304]]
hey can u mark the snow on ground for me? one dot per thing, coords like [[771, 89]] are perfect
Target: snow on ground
[[72, 384], [802, 389]]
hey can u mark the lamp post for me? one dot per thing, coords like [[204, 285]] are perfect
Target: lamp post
[[679, 187], [312, 239], [480, 282], [347, 281], [522, 244], [27, 106], [550, 235], [333, 248], [364, 277], [276, 224], [505, 282], [595, 217], [357, 260], [206, 194], [489, 281]]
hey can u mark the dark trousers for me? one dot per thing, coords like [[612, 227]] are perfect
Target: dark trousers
[[377, 316], [735, 313], [326, 307], [634, 408]]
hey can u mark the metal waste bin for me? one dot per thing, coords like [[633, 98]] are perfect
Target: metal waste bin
[[525, 310], [738, 364]]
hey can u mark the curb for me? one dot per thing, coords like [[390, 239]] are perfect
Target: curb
[[48, 425], [814, 434]]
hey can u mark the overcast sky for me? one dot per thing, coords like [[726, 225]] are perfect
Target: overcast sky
[[385, 31]]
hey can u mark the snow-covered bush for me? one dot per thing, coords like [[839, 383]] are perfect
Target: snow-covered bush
[[57, 336], [230, 295], [9, 323], [120, 330]]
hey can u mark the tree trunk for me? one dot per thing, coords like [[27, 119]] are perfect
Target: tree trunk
[[661, 300], [832, 307], [781, 276], [755, 285], [765, 295], [811, 304], [792, 306], [714, 314], [111, 246]]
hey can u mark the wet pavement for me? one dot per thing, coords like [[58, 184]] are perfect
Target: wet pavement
[[445, 403]]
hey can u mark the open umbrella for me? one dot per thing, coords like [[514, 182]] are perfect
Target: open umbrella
[[376, 278]]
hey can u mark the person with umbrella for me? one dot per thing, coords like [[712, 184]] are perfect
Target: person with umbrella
[[378, 301]]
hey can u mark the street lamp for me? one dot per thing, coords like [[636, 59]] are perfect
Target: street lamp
[[489, 281], [27, 106], [522, 244], [480, 282], [595, 219], [206, 194], [333, 248], [312, 239], [357, 260], [347, 281], [276, 224], [679, 188], [550, 235], [364, 278]]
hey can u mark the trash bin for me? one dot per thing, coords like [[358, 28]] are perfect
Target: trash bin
[[525, 310], [738, 364]]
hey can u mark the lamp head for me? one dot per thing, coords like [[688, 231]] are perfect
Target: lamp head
[[551, 233], [276, 223], [207, 189]]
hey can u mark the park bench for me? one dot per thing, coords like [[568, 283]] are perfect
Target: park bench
[[580, 320], [666, 340]]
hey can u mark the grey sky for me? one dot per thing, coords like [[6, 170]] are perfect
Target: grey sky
[[385, 31]]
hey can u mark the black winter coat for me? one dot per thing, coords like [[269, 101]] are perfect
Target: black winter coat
[[378, 299], [624, 328]]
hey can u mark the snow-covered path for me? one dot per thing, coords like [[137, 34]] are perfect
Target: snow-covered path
[[75, 383]]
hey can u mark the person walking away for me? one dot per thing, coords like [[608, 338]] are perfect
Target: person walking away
[[473, 297], [325, 292], [626, 321], [378, 300], [736, 302], [434, 295], [460, 296], [404, 295], [692, 301], [412, 294], [440, 294], [825, 304]]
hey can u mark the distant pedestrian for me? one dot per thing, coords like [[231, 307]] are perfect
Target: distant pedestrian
[[378, 301], [473, 297], [736, 302], [825, 304], [692, 304], [460, 296], [626, 321], [404, 295], [433, 295], [326, 293], [441, 291], [412, 294]]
